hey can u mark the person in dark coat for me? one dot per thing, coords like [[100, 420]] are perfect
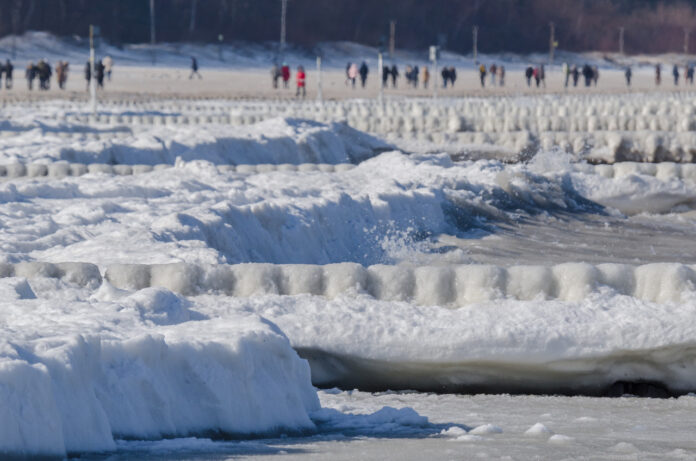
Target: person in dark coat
[[628, 73], [386, 72], [9, 69], [576, 75], [588, 73], [194, 68], [30, 75], [88, 73], [529, 73], [363, 73], [394, 75], [452, 75], [445, 76], [99, 73], [675, 74]]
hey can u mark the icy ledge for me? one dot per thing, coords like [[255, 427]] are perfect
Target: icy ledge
[[74, 375], [448, 285]]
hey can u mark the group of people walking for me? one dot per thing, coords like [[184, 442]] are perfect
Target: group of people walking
[[353, 72], [589, 73], [102, 70], [41, 71], [496, 73], [282, 74]]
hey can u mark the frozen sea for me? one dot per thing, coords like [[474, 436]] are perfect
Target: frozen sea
[[188, 279]]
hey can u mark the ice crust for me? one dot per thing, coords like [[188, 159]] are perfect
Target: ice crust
[[145, 366]]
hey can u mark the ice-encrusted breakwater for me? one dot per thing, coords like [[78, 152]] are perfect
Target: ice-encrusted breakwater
[[448, 285]]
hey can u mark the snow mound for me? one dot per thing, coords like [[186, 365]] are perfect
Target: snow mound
[[538, 430], [486, 429], [81, 374], [273, 141]]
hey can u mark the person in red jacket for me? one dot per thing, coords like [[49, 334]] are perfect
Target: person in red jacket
[[301, 76], [285, 73]]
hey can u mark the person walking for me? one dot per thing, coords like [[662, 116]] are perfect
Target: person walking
[[301, 82], [109, 65], [595, 75], [690, 74], [501, 75], [394, 75], [275, 75], [493, 70], [445, 76], [426, 77], [675, 74], [628, 73], [588, 74], [452, 75], [537, 76], [566, 73], [30, 75], [9, 70], [285, 73], [363, 71], [482, 75], [99, 73], [658, 74], [416, 76], [194, 69], [528, 74], [386, 72], [352, 74], [542, 75], [576, 75]]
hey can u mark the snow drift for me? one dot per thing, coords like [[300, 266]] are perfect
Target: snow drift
[[145, 366]]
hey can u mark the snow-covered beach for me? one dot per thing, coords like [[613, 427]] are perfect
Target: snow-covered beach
[[179, 274]]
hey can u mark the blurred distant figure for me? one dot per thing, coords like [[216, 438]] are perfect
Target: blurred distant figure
[[394, 74], [576, 75], [690, 74], [386, 72], [452, 75], [566, 73], [62, 74], [301, 82], [675, 74], [275, 75], [194, 68], [88, 73], [537, 76], [588, 74], [30, 75], [426, 77], [658, 74], [99, 71], [445, 76], [9, 69], [108, 67], [364, 70], [482, 75], [45, 72], [416, 76], [628, 73], [595, 75], [542, 75], [528, 74], [352, 74], [285, 73], [501, 75], [493, 70]]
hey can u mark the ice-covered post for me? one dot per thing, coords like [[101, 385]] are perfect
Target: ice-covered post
[[92, 65], [621, 40], [552, 40], [687, 33], [380, 72], [433, 60], [152, 30], [220, 38], [283, 14], [475, 43], [320, 96]]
